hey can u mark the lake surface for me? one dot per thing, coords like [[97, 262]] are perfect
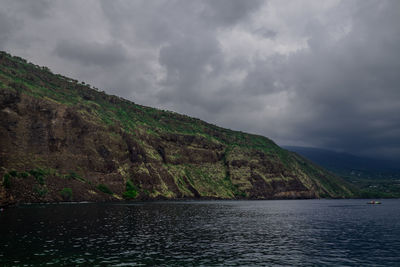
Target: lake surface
[[203, 233]]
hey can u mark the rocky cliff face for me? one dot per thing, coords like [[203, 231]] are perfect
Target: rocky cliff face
[[61, 140]]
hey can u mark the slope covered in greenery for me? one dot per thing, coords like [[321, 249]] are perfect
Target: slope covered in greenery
[[374, 177], [63, 140]]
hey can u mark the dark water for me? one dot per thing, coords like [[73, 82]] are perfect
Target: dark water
[[211, 233]]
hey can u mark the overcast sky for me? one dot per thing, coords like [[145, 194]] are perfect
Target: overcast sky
[[309, 73]]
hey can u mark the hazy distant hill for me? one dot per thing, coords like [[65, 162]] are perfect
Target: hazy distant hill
[[349, 164], [367, 173], [63, 140]]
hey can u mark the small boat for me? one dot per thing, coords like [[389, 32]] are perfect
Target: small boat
[[374, 202]]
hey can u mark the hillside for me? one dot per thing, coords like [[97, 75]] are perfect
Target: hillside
[[62, 140], [375, 177]]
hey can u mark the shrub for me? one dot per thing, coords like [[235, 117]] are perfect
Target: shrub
[[38, 174], [103, 188], [131, 190], [13, 173], [41, 191], [23, 174], [7, 180], [146, 192], [72, 175], [75, 176], [40, 180], [130, 185], [243, 194], [66, 193], [130, 194]]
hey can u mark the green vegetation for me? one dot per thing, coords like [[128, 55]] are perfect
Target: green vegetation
[[103, 188], [23, 174], [113, 110], [39, 175], [169, 154], [41, 191], [7, 180], [131, 190], [132, 194], [13, 173], [74, 176], [375, 178], [66, 193], [377, 188]]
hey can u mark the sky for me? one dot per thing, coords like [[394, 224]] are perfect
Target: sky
[[307, 73]]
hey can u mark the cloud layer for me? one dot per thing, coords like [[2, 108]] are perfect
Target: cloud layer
[[313, 73]]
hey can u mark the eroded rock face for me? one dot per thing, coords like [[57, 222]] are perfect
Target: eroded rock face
[[99, 148], [38, 133]]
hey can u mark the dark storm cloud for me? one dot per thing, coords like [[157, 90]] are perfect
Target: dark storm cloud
[[316, 73], [353, 86]]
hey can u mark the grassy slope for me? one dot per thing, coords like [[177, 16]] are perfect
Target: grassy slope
[[111, 112], [374, 177]]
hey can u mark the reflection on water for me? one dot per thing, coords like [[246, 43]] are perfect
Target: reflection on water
[[208, 233]]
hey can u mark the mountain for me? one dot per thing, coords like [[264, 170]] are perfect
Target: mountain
[[346, 163], [375, 177], [62, 140]]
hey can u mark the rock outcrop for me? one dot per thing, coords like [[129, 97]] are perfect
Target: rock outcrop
[[61, 140]]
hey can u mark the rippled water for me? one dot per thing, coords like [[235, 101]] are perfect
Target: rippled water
[[203, 233]]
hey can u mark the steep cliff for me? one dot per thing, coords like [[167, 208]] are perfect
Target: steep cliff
[[61, 140]]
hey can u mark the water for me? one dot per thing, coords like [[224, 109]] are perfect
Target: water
[[203, 233]]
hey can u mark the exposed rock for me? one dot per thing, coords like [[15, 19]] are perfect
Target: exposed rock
[[63, 141]]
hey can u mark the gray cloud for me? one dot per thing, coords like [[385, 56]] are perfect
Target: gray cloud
[[35, 9], [92, 53], [301, 72], [228, 12], [266, 33], [7, 26], [352, 86]]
